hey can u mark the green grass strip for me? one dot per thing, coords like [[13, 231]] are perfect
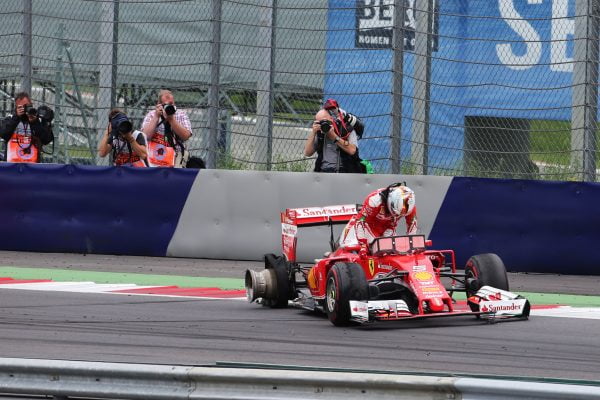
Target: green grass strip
[[572, 300], [67, 275]]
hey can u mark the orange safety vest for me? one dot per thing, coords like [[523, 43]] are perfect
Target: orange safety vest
[[129, 159], [160, 152], [21, 149]]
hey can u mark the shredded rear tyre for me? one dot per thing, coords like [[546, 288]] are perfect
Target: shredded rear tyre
[[283, 287]]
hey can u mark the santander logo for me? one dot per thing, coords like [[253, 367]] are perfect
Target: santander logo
[[308, 212], [501, 307]]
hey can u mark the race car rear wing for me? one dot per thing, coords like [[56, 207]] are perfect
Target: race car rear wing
[[293, 218]]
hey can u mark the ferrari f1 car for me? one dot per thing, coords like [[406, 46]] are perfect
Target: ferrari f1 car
[[393, 278]]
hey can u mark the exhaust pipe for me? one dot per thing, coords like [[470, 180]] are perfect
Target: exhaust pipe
[[261, 284]]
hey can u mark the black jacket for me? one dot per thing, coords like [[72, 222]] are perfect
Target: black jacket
[[39, 129]]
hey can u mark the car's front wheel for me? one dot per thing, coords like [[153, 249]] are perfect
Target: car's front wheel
[[345, 282], [484, 270]]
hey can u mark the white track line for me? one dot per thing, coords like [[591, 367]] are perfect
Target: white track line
[[568, 312], [92, 287], [79, 287]]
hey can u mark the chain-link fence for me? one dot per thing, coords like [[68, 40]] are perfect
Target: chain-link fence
[[503, 88]]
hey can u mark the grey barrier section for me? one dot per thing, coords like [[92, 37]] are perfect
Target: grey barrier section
[[490, 389], [65, 379], [165, 382], [235, 214]]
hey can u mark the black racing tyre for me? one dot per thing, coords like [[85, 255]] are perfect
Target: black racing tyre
[[282, 275], [485, 270], [345, 282]]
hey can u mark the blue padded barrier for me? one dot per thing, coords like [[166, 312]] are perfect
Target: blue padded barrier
[[534, 226], [85, 209]]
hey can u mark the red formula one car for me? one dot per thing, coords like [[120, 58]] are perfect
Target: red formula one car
[[394, 278]]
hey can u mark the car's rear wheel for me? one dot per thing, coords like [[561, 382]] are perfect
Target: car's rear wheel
[[345, 282], [284, 287]]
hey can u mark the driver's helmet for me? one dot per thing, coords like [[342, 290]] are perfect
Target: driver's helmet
[[401, 201]]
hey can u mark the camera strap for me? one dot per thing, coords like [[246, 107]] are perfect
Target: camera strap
[[171, 139], [339, 126], [169, 134], [130, 152], [118, 145]]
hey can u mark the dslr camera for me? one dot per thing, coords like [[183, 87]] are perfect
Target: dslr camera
[[169, 109], [120, 125], [45, 113], [325, 125], [30, 110]]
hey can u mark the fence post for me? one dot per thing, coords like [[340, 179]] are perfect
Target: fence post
[[107, 62], [26, 57], [397, 85], [420, 132], [263, 152], [585, 89], [213, 90], [60, 125]]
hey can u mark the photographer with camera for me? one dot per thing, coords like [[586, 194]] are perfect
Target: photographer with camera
[[128, 147], [334, 137], [167, 129], [26, 131]]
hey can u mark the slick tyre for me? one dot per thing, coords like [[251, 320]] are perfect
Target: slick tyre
[[282, 280], [345, 282], [485, 270]]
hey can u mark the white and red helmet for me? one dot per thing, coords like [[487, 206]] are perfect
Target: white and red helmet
[[401, 201]]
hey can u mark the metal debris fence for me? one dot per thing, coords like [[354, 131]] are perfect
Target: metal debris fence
[[467, 88]]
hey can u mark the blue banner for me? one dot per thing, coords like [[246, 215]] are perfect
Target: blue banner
[[501, 58]]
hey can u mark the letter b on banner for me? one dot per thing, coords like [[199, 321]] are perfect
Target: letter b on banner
[[375, 20]]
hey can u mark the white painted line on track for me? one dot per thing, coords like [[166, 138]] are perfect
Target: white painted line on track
[[110, 288], [568, 312], [83, 287]]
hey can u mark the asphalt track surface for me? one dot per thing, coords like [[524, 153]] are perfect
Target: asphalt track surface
[[162, 330]]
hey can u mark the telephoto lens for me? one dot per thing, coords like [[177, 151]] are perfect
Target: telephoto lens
[[120, 124], [169, 109]]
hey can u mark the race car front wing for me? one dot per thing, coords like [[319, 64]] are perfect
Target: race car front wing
[[488, 303]]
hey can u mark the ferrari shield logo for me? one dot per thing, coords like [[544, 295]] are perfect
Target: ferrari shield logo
[[372, 266]]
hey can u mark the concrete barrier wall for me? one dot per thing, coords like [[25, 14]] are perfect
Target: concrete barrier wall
[[534, 226], [235, 215]]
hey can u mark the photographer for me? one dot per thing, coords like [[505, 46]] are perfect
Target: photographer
[[128, 147], [26, 131], [167, 129], [334, 137]]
